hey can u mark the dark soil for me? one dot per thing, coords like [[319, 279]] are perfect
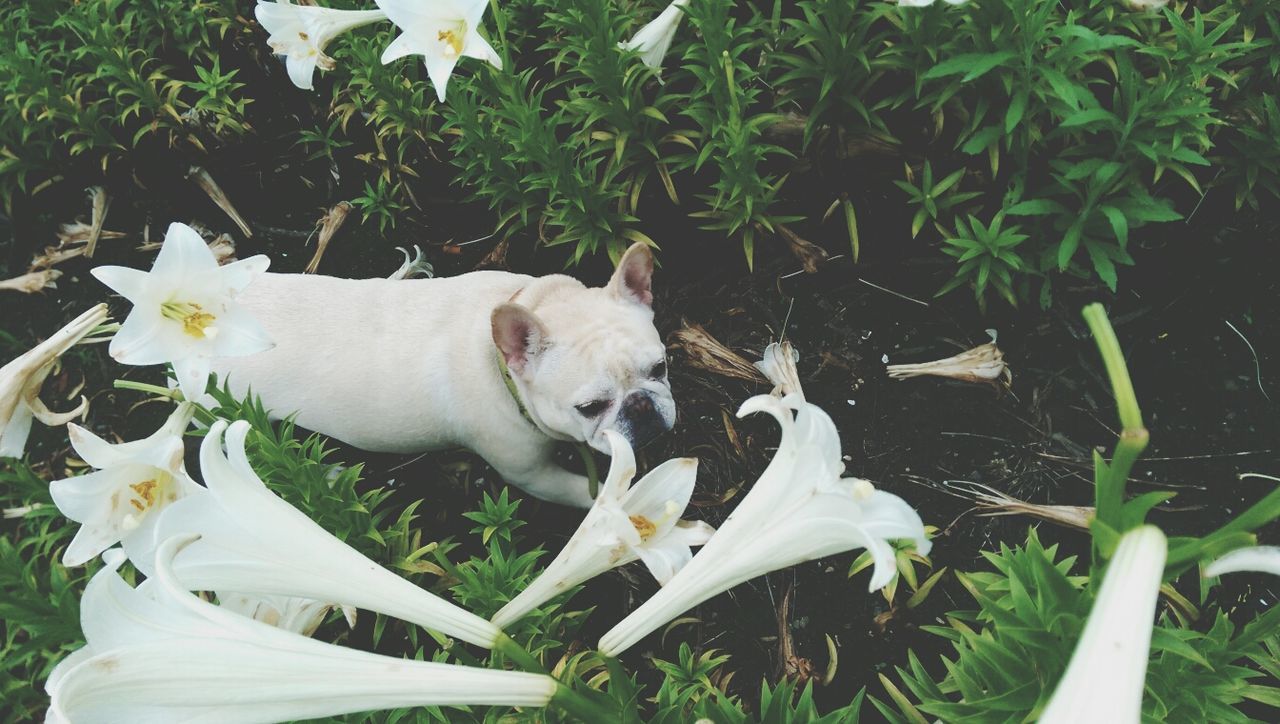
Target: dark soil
[[1206, 394]]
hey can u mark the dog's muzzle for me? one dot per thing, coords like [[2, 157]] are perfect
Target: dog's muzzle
[[643, 421]]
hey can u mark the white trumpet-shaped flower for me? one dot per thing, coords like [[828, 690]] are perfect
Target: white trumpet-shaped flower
[[183, 309], [1257, 559], [157, 653], [301, 32], [299, 615], [133, 482], [624, 524], [1108, 668], [441, 31], [254, 542], [654, 40], [21, 379], [800, 509]]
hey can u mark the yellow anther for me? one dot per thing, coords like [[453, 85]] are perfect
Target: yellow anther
[[451, 40], [146, 490], [195, 321], [644, 527]]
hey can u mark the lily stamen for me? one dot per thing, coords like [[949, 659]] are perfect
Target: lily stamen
[[195, 321]]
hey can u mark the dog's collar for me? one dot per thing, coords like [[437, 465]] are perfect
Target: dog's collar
[[510, 382]]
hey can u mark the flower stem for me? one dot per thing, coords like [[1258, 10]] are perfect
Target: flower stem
[[581, 707], [1111, 480], [508, 647], [593, 474], [174, 394]]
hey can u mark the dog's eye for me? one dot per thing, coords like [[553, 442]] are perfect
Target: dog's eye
[[592, 409], [659, 371]]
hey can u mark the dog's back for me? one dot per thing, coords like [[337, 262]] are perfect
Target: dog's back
[[349, 351]]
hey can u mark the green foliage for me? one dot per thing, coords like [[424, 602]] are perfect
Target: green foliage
[[496, 518], [97, 79], [40, 608], [1011, 651], [1087, 122], [724, 105], [988, 257]]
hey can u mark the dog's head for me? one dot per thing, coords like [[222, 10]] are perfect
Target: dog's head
[[589, 360]]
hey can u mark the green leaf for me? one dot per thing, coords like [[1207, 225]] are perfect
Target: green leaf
[[1067, 248], [1089, 116], [972, 65], [1119, 224]]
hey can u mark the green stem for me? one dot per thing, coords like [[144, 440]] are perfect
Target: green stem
[[581, 707], [508, 647], [1109, 493], [1096, 317], [175, 394], [593, 474]]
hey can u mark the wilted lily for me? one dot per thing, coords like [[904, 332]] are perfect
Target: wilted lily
[[441, 31], [301, 32], [1105, 678], [183, 309], [299, 615], [21, 379], [133, 482], [1258, 559], [984, 363], [778, 365], [654, 40], [32, 282], [625, 523], [159, 653], [254, 542], [800, 509]]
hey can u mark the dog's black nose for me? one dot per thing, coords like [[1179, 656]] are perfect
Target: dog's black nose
[[644, 422]]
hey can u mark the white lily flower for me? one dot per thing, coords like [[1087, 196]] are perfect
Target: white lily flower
[[1257, 559], [299, 615], [301, 32], [441, 31], [254, 542], [133, 482], [183, 309], [1106, 676], [21, 379], [625, 523], [925, 3], [799, 510], [654, 39], [158, 653]]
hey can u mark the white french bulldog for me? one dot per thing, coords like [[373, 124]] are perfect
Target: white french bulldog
[[414, 365]]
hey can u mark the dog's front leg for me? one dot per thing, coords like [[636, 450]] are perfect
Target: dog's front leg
[[531, 466], [552, 483]]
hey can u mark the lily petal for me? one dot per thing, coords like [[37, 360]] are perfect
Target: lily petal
[[128, 283], [402, 46], [1260, 559], [254, 542], [193, 375]]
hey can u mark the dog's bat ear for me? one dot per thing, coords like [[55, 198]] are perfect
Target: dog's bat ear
[[518, 334], [631, 280]]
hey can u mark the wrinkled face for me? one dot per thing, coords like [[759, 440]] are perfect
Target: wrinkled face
[[606, 372], [590, 360]]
